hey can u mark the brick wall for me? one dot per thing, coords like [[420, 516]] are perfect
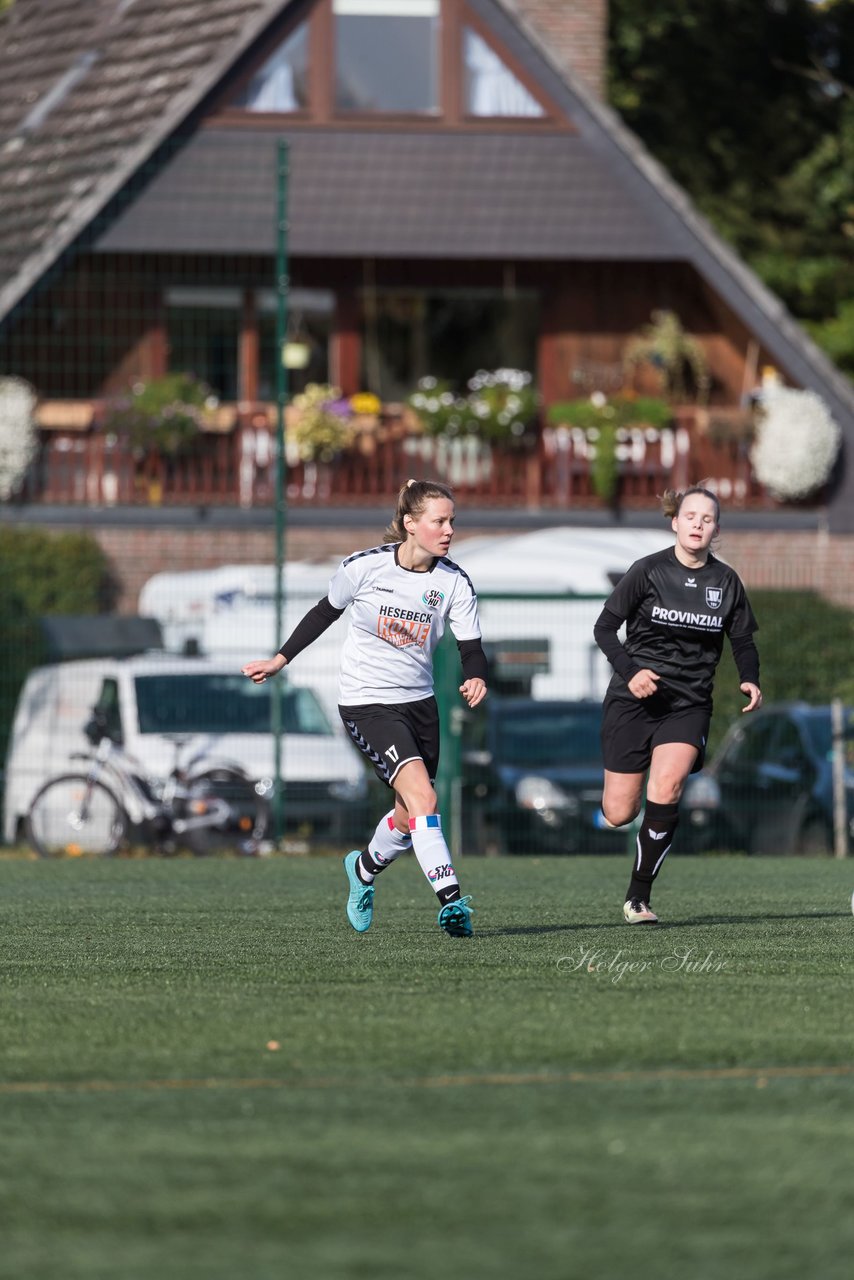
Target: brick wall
[[806, 559], [576, 33]]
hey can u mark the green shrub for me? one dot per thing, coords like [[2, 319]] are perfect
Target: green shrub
[[61, 573], [805, 653], [43, 573]]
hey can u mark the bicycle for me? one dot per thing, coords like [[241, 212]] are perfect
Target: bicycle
[[206, 805]]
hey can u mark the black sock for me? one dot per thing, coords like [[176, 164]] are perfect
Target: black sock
[[450, 894], [367, 867], [653, 843]]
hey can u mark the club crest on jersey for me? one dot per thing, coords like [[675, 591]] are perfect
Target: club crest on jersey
[[713, 597], [433, 598]]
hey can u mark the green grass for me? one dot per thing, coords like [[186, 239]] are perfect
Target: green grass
[[559, 1096]]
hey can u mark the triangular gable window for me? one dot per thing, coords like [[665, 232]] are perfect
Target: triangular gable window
[[491, 88], [387, 55], [281, 84]]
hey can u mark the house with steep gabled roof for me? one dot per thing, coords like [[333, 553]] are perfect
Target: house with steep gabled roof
[[458, 196]]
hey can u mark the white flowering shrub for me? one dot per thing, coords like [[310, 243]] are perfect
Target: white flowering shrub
[[18, 438], [797, 443], [500, 407]]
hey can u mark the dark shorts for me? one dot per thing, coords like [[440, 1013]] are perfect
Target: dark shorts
[[630, 732], [391, 736]]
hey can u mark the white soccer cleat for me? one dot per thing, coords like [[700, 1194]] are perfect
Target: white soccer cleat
[[637, 912]]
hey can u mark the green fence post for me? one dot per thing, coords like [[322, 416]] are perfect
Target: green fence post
[[447, 679], [282, 290]]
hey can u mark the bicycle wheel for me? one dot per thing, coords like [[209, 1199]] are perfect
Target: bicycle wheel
[[248, 814], [75, 816]]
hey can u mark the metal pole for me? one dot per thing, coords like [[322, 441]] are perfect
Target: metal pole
[[840, 806], [282, 290]]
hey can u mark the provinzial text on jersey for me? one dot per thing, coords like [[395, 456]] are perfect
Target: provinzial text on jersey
[[712, 621]]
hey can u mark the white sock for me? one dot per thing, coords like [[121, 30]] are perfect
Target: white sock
[[384, 846], [434, 856]]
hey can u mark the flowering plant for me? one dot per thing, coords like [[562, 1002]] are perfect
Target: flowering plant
[[797, 442], [165, 413], [319, 425], [17, 432], [499, 407], [365, 404], [603, 419]]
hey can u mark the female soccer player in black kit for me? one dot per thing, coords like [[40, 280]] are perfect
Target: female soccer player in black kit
[[677, 604]]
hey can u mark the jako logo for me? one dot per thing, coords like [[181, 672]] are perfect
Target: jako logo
[[433, 598], [440, 873]]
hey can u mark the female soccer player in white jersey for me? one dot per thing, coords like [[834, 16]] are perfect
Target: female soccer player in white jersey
[[677, 604], [401, 596]]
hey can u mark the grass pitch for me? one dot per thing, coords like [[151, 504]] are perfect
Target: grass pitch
[[205, 1073]]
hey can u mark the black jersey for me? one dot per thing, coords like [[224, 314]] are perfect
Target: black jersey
[[676, 619]]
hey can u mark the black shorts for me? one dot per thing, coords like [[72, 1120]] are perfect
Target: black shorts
[[391, 736], [630, 732]]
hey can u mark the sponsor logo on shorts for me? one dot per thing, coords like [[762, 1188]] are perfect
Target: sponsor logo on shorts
[[441, 873]]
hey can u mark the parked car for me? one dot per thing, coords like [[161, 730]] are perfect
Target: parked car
[[769, 787], [532, 779], [148, 702]]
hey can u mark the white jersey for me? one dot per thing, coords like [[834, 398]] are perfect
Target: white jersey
[[397, 618]]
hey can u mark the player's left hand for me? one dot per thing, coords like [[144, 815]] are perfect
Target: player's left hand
[[474, 691], [752, 692]]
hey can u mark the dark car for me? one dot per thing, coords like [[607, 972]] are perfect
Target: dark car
[[532, 779], [769, 788]]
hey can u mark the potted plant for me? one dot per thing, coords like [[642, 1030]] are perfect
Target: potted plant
[[603, 419], [499, 407], [677, 358], [319, 424], [161, 415], [796, 445], [18, 437]]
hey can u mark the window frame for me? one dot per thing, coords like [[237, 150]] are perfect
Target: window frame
[[455, 16]]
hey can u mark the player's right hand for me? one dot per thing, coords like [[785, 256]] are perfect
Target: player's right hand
[[258, 670], [644, 684]]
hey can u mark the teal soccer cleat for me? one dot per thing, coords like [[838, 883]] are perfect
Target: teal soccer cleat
[[455, 918], [360, 903]]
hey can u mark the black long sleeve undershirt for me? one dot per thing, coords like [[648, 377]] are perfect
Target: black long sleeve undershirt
[[318, 619], [473, 659], [605, 634], [746, 657]]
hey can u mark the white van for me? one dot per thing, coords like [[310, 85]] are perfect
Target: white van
[[149, 699]]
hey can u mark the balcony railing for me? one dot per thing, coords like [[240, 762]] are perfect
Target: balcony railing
[[80, 465]]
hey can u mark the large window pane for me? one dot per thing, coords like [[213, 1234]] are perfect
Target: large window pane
[[282, 82], [203, 338], [386, 55], [410, 334], [491, 87]]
